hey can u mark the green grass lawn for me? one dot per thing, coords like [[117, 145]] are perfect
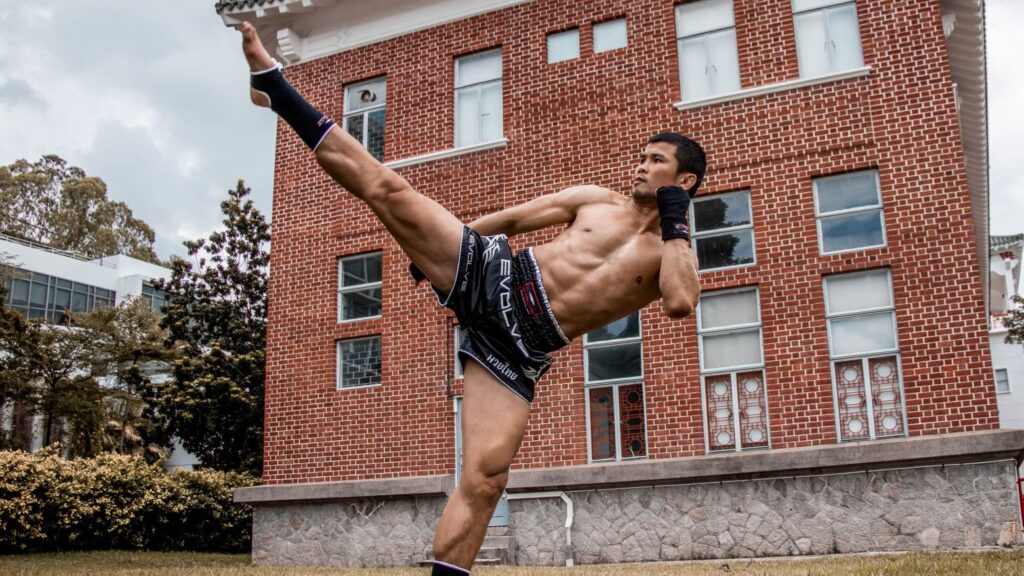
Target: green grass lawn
[[985, 563]]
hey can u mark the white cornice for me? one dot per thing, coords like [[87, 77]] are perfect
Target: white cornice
[[303, 30]]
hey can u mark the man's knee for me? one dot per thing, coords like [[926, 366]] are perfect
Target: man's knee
[[384, 185], [483, 489]]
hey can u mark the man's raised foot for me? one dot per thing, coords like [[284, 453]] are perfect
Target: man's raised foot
[[258, 58]]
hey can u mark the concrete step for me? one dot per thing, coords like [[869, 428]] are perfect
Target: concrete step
[[497, 541]]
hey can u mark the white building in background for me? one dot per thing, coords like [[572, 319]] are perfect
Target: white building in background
[[1007, 359], [50, 282]]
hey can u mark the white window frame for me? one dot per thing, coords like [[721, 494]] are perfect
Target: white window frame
[[712, 93], [364, 112], [1009, 386], [732, 370], [837, 214], [339, 362], [342, 290], [865, 357], [597, 27], [615, 384], [697, 235], [478, 88], [826, 7], [564, 33]]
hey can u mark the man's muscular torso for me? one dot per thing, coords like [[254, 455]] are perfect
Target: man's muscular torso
[[603, 266]]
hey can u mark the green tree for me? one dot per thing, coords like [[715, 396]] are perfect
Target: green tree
[[1014, 321], [17, 343], [60, 205], [217, 314]]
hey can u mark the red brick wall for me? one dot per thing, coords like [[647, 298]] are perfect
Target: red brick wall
[[584, 121]]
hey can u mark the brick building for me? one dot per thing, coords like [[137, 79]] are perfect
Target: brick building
[[837, 375]]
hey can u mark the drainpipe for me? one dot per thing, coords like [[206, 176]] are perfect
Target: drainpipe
[[568, 515]]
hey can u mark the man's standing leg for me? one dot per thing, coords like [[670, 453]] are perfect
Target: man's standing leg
[[494, 420]]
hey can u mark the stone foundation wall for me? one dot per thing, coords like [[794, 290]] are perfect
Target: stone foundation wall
[[910, 509], [367, 532]]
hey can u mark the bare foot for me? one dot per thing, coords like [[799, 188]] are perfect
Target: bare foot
[[259, 60]]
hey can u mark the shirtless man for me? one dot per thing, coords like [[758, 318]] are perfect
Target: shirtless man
[[515, 309]]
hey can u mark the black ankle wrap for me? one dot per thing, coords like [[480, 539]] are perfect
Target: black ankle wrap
[[307, 121]]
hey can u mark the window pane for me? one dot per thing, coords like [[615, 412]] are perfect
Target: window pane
[[467, 117], [631, 421], [801, 5], [61, 283], [730, 249], [375, 134], [360, 362], [366, 95], [354, 126], [721, 425], [851, 292], [478, 68], [730, 350], [62, 299], [607, 363], [703, 16], [610, 35], [563, 46], [19, 293], [728, 309], [851, 399], [811, 41], [602, 424], [362, 270], [844, 36], [863, 334], [38, 295], [725, 211], [360, 304], [851, 232], [753, 412], [625, 327], [854, 190], [490, 111], [694, 68], [1002, 381], [886, 395], [725, 62]]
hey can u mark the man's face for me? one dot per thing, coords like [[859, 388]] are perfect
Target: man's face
[[658, 167]]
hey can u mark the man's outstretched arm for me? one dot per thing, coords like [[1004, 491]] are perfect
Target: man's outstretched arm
[[539, 213]]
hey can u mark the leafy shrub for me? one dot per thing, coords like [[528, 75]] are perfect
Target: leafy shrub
[[117, 502]]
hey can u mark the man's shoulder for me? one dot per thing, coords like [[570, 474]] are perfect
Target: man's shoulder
[[593, 194]]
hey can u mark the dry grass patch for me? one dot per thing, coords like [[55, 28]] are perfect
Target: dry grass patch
[[984, 563]]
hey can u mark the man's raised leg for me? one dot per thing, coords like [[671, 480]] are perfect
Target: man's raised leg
[[429, 234], [494, 420]]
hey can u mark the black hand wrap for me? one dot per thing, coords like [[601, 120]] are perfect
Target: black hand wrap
[[416, 273], [673, 204]]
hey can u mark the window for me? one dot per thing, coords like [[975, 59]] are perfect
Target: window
[[708, 62], [478, 109], [157, 298], [849, 211], [359, 363], [723, 231], [460, 336], [827, 36], [364, 114], [610, 35], [39, 296], [359, 287], [564, 46], [613, 361], [732, 370], [865, 355], [1002, 381]]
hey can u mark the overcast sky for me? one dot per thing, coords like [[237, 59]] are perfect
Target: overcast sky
[[152, 98]]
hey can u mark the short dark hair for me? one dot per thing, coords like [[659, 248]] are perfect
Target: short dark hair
[[689, 155]]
